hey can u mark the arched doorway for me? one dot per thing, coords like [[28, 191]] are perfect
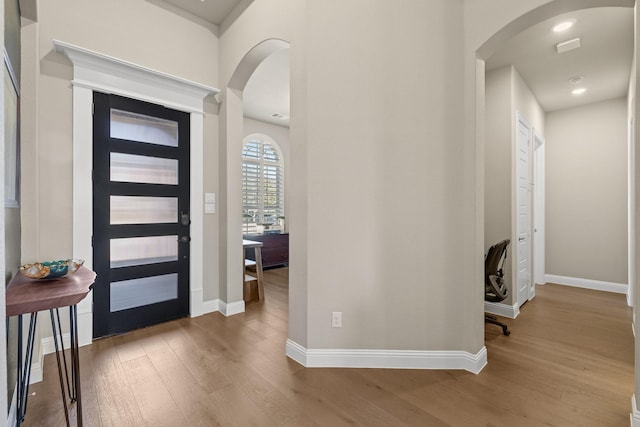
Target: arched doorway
[[231, 135], [484, 41]]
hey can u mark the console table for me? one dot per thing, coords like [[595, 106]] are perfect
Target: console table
[[250, 244], [275, 249], [29, 296]]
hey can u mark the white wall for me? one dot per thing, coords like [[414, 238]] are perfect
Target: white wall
[[3, 344], [586, 190], [498, 160], [388, 124], [262, 20], [634, 199], [377, 196], [526, 103], [506, 94], [131, 30]]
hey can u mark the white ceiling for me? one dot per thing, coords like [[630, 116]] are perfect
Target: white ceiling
[[267, 91], [604, 60]]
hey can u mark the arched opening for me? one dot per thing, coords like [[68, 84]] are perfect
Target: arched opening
[[232, 133], [497, 41]]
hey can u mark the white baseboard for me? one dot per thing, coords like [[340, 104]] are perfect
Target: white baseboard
[[598, 285], [500, 309], [635, 414], [388, 359], [37, 370], [13, 409], [231, 308], [37, 364], [48, 346], [85, 327], [207, 307]]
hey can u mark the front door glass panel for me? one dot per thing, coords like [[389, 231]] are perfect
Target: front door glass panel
[[142, 128], [143, 169], [127, 252], [143, 210], [127, 294]]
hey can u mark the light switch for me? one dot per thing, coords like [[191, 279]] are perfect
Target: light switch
[[209, 197], [209, 208]]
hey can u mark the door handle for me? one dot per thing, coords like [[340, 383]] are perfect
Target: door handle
[[521, 239]]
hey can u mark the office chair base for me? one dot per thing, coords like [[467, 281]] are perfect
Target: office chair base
[[494, 320]]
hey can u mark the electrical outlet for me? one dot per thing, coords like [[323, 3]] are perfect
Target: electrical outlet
[[336, 319]]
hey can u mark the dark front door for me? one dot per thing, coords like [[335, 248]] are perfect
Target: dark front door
[[140, 214]]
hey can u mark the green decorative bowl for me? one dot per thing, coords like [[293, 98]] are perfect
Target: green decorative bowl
[[51, 269]]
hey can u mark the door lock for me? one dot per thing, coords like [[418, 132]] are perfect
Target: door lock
[[184, 218]]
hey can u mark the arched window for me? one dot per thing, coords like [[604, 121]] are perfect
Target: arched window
[[262, 182]]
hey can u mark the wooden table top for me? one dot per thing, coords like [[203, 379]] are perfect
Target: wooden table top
[[26, 295], [251, 244]]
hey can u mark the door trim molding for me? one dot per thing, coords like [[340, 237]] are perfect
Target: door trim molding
[[107, 74], [95, 71]]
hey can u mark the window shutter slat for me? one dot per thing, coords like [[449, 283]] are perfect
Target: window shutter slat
[[262, 184]]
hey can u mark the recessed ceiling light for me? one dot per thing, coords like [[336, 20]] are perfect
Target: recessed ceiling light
[[563, 26], [579, 91], [576, 79]]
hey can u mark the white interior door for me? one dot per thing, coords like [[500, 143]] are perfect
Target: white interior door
[[523, 209]]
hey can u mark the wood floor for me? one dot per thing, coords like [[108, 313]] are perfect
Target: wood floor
[[568, 362]]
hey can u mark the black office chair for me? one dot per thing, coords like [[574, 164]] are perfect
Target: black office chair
[[494, 286]]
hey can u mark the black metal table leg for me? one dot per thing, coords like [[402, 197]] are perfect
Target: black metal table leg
[[75, 360], [55, 342], [24, 368]]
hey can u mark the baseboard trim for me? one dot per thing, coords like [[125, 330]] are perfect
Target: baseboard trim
[[387, 359], [48, 346], [597, 285], [207, 307], [635, 414], [13, 409], [500, 309], [37, 370], [229, 309]]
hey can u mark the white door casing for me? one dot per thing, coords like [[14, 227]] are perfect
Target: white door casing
[[95, 71], [522, 245], [538, 211]]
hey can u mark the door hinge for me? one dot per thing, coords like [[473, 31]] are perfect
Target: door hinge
[[93, 107], [91, 241]]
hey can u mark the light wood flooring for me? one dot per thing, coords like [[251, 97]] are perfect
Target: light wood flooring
[[568, 362]]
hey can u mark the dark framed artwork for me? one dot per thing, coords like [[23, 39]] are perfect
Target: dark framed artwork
[[11, 137]]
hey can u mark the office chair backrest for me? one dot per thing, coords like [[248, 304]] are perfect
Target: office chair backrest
[[495, 289]]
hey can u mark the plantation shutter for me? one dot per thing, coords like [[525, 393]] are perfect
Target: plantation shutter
[[262, 184]]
